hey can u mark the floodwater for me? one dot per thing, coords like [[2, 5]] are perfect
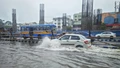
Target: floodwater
[[50, 54]]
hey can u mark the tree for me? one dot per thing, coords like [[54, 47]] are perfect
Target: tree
[[69, 28], [103, 26], [1, 23]]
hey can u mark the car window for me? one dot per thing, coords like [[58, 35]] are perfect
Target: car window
[[66, 37], [108, 32], [104, 33], [83, 37], [75, 38]]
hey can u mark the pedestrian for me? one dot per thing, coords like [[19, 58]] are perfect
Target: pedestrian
[[11, 35], [52, 33]]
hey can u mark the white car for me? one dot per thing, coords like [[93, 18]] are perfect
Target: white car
[[75, 39], [110, 35]]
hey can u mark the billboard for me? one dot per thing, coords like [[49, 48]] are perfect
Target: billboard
[[111, 18]]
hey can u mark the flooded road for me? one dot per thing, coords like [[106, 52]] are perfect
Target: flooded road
[[22, 55]]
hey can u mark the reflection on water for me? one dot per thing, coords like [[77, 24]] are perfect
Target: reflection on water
[[50, 54]]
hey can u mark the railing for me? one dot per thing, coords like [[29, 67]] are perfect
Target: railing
[[8, 35]]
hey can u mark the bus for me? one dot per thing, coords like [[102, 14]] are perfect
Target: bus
[[38, 31]]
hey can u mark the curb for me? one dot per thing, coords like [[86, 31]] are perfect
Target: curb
[[109, 40], [105, 45]]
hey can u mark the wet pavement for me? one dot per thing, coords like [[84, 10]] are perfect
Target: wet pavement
[[22, 55]]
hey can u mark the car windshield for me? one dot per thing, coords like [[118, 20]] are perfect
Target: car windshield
[[65, 37], [83, 37]]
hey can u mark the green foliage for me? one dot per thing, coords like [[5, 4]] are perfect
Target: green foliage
[[69, 28], [7, 26], [103, 26]]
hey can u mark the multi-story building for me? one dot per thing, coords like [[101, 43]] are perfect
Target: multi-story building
[[48, 22], [1, 23], [42, 11], [14, 21], [62, 22], [77, 21]]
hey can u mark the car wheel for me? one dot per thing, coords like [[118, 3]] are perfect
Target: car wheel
[[25, 37], [111, 37], [79, 46], [98, 37], [39, 36], [92, 40]]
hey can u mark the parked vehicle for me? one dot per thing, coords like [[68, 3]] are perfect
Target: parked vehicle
[[75, 39], [106, 34]]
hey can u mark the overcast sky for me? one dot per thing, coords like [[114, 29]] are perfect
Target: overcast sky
[[28, 10]]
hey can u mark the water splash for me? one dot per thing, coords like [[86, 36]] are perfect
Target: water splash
[[48, 43], [55, 45], [113, 53]]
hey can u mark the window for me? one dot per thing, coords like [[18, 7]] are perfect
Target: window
[[48, 28], [79, 19], [83, 37], [104, 33], [75, 38], [35, 28], [108, 32], [66, 37], [27, 29], [79, 15], [58, 26], [59, 23], [23, 29], [75, 16], [40, 28], [44, 28]]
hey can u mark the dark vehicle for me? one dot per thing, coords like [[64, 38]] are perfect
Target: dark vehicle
[[86, 34]]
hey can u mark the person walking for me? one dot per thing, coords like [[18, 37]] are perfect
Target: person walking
[[52, 34]]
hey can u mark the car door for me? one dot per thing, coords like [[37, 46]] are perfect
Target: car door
[[64, 40], [74, 39], [108, 34], [103, 34]]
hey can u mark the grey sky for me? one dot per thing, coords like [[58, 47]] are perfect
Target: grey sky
[[28, 10]]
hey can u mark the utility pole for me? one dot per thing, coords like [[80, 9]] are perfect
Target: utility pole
[[115, 7], [119, 6]]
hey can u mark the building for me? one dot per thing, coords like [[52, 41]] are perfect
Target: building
[[14, 23], [1, 23], [111, 19], [62, 23], [77, 21], [87, 12], [8, 25], [41, 18], [48, 22], [29, 23], [96, 21]]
